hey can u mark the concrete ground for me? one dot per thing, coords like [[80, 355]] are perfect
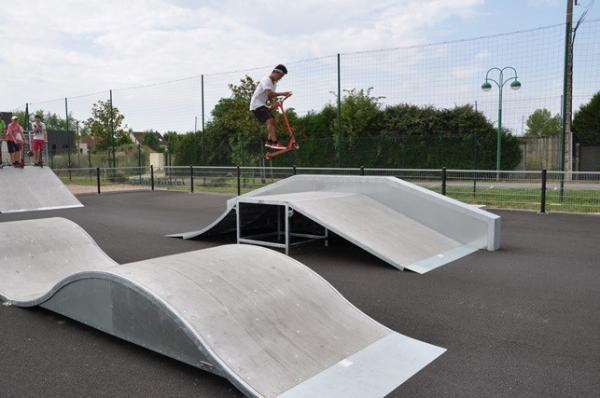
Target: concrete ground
[[523, 321]]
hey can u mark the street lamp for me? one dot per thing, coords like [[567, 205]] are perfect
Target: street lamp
[[515, 84]]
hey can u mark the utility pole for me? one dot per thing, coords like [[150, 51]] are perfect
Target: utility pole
[[566, 136]]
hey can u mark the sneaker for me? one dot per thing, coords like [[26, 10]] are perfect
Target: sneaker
[[274, 145], [268, 143]]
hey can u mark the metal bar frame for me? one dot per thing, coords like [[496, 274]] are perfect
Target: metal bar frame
[[286, 216], [278, 234], [256, 239]]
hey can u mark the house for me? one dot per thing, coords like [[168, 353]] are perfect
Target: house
[[6, 117], [89, 142], [138, 137]]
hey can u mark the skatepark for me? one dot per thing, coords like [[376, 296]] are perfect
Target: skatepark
[[504, 318], [363, 200]]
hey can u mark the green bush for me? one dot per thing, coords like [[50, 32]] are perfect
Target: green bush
[[369, 135]]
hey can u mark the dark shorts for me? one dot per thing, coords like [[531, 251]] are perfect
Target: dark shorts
[[263, 113], [13, 147]]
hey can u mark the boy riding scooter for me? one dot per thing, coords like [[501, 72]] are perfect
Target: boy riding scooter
[[265, 92]]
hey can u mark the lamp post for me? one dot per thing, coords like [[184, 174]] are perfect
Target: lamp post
[[501, 82]]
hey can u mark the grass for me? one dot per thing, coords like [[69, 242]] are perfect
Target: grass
[[586, 201], [581, 200], [75, 180]]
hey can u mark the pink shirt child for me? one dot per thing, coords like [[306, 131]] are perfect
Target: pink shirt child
[[14, 132]]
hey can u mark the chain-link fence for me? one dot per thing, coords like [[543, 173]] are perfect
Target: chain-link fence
[[530, 190], [442, 75]]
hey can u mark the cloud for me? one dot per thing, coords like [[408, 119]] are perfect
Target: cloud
[[58, 48], [544, 3]]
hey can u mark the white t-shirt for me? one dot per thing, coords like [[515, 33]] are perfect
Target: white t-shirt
[[38, 130], [259, 98]]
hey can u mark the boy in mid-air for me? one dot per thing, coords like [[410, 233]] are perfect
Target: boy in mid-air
[[265, 92], [40, 137]]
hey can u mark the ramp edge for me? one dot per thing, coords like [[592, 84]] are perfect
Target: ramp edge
[[41, 209], [441, 259], [374, 371], [222, 219]]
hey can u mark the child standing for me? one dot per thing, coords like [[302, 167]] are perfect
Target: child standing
[[40, 137], [14, 140]]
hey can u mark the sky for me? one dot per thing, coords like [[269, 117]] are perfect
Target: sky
[[53, 49]]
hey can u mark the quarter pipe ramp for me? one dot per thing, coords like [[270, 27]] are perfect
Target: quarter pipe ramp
[[401, 223], [267, 323], [33, 188]]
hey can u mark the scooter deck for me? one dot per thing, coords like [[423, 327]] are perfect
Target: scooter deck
[[292, 146]]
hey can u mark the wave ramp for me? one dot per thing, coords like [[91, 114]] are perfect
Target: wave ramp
[[264, 321]]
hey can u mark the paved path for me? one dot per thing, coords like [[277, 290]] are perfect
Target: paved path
[[521, 321]]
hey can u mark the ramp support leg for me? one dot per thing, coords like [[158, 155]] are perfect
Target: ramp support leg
[[287, 230], [237, 222], [278, 224], [326, 237], [280, 238]]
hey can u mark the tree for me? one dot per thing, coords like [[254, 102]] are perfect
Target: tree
[[150, 139], [586, 123], [361, 119], [172, 139], [99, 125], [52, 120], [233, 135], [122, 138], [397, 136], [426, 137], [189, 149], [541, 123], [317, 135]]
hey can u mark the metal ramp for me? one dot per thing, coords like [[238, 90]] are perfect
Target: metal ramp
[[33, 188], [401, 223], [264, 321]]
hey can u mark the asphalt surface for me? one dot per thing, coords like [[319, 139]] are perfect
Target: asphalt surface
[[520, 322]]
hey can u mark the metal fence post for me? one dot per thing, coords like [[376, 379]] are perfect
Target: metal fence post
[[68, 137], [139, 150], [202, 98], [152, 176], [191, 178], [239, 182], [26, 121], [543, 193], [444, 179], [339, 108], [112, 131], [98, 178]]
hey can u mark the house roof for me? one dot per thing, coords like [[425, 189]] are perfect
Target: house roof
[[139, 136], [89, 140]]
